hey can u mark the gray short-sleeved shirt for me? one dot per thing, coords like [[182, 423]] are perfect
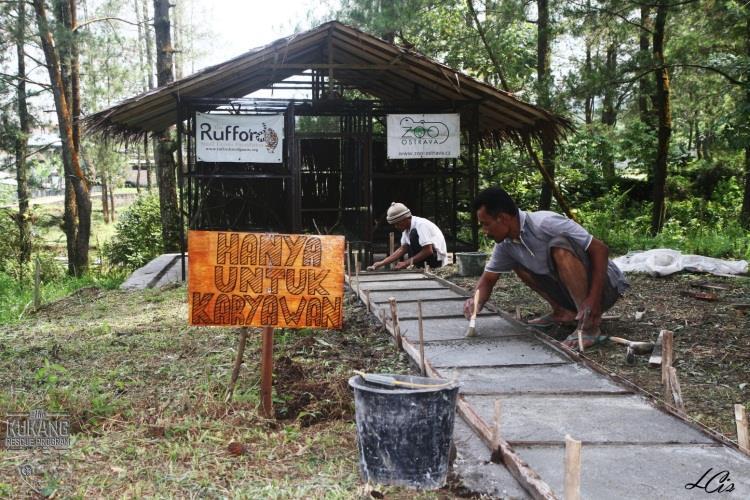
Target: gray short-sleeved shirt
[[530, 250]]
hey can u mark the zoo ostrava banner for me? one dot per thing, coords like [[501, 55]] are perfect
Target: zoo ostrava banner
[[424, 136], [265, 279], [239, 138]]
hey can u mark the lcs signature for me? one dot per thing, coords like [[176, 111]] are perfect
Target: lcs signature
[[718, 483]]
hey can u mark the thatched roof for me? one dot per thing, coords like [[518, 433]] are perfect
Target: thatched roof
[[376, 67]]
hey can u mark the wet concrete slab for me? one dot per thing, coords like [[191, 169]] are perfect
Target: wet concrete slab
[[369, 278], [531, 379], [477, 473], [638, 472], [399, 285], [437, 329], [436, 309], [478, 351], [401, 295], [594, 418]]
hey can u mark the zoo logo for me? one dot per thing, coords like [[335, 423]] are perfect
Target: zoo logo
[[423, 132]]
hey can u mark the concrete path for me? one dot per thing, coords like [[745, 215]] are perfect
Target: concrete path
[[164, 269], [632, 447]]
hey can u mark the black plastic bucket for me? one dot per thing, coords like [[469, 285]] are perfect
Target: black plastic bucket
[[404, 435]]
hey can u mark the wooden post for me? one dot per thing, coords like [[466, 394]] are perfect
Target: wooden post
[[356, 270], [743, 434], [422, 367], [674, 387], [666, 355], [496, 435], [266, 372], [237, 364], [367, 299], [37, 283], [346, 263], [518, 313], [655, 359], [391, 244], [394, 321], [572, 488]]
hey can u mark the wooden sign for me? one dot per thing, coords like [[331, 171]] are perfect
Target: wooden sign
[[265, 279]]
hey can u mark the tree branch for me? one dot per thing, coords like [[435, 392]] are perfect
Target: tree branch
[[108, 18]]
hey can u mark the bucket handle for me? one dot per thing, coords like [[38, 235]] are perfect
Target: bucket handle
[[392, 382]]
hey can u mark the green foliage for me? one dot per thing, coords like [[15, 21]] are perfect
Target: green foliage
[[138, 235], [17, 299]]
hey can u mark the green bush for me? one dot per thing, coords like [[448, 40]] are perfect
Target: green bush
[[137, 237]]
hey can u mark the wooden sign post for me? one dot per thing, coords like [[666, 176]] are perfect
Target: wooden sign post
[[264, 280]]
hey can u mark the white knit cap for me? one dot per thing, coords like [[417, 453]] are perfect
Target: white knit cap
[[397, 212]]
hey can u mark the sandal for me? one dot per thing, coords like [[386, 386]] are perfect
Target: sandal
[[548, 320], [571, 342]]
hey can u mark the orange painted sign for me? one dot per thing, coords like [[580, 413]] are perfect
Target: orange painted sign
[[265, 279]]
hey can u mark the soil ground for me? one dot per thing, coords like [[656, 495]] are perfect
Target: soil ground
[[711, 337], [145, 392], [145, 395]]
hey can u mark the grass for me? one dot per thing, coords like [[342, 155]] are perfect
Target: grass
[[145, 395]]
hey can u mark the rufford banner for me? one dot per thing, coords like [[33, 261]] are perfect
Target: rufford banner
[[423, 136], [239, 138]]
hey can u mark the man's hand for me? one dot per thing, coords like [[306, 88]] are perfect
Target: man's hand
[[375, 265], [404, 264], [469, 307], [595, 314]]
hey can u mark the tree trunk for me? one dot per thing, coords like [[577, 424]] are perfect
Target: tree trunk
[[609, 112], [544, 80], [149, 45], [105, 200], [745, 213], [148, 165], [664, 119], [644, 91], [589, 100], [22, 142], [78, 237], [112, 211], [165, 164]]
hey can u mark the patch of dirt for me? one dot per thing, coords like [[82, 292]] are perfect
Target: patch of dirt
[[711, 337]]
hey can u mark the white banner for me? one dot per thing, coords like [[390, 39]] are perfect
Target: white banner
[[424, 136], [239, 138]]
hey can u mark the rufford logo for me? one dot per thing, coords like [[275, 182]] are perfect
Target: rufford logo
[[423, 132], [234, 133]]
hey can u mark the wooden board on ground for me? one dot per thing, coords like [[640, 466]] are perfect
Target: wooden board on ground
[[265, 279]]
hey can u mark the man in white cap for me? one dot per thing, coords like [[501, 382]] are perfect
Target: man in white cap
[[421, 240]]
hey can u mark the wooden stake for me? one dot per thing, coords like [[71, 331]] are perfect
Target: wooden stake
[[367, 299], [655, 359], [422, 367], [743, 434], [518, 313], [266, 372], [572, 488], [391, 244], [674, 386], [496, 456], [237, 364], [666, 355], [394, 321], [37, 283], [358, 295]]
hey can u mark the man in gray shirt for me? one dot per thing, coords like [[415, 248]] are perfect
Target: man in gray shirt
[[555, 257]]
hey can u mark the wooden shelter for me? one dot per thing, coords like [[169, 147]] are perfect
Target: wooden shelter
[[335, 176]]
